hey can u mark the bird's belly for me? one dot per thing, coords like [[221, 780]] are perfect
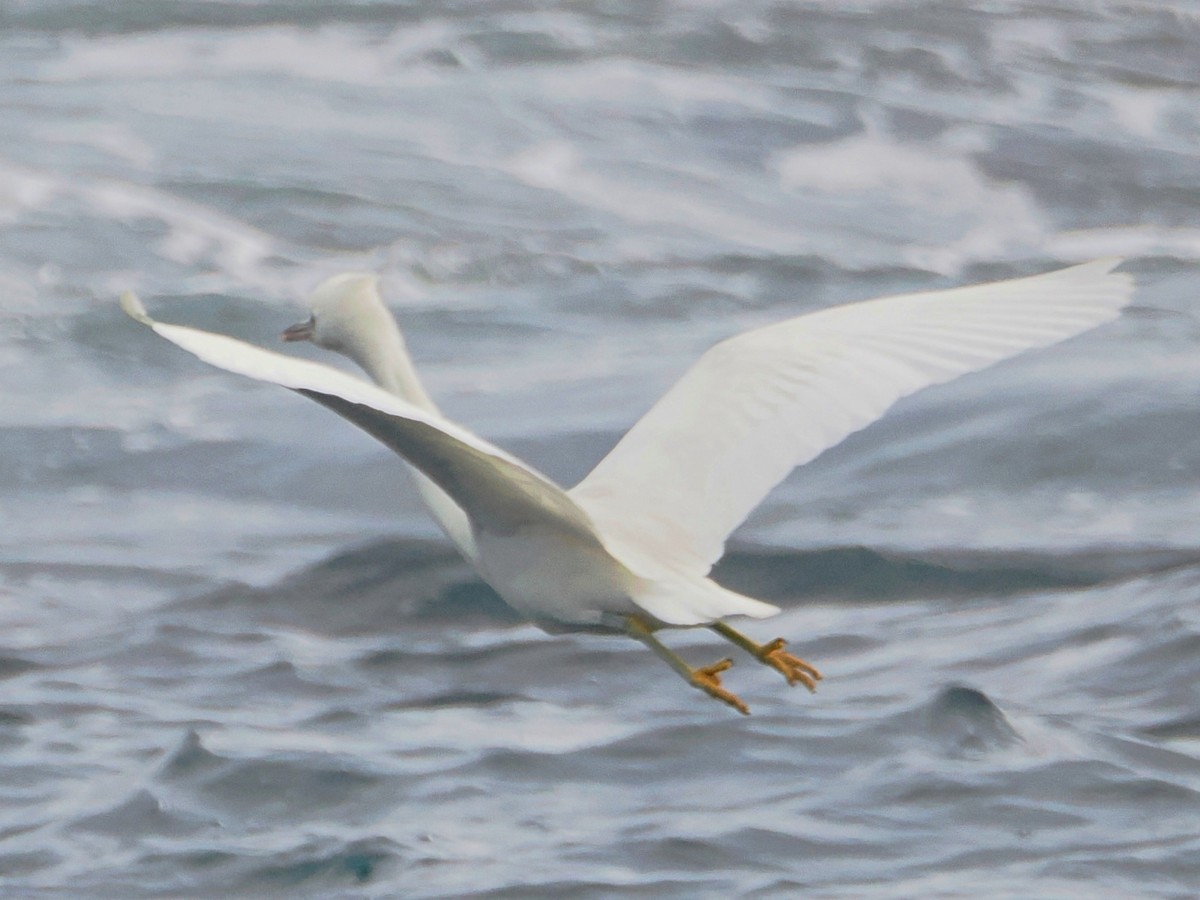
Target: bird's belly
[[556, 578]]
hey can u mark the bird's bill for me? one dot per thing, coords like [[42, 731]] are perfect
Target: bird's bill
[[302, 331]]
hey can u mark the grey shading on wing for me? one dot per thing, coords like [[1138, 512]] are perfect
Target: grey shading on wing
[[763, 402], [494, 488]]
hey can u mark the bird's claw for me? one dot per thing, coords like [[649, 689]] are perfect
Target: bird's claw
[[794, 669], [708, 680]]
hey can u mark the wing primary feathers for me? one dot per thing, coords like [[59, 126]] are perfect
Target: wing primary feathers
[[760, 403]]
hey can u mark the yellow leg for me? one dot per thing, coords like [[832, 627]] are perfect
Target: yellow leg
[[772, 654], [706, 679]]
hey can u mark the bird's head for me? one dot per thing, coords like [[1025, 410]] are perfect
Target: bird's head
[[348, 316]]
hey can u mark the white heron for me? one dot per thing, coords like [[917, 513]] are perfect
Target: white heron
[[629, 549]]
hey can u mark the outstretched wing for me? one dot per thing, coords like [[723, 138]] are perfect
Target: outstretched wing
[[761, 403], [495, 489]]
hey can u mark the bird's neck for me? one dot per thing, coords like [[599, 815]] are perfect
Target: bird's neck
[[389, 365]]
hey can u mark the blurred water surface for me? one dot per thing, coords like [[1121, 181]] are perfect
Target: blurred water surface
[[237, 661]]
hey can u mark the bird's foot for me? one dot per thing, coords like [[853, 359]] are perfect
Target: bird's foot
[[708, 680], [794, 669]]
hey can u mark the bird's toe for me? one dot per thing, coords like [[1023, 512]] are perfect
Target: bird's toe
[[793, 668], [708, 680]]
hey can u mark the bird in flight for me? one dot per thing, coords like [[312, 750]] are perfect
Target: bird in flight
[[629, 549]]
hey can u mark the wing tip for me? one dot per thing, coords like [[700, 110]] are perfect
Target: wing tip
[[1109, 289], [133, 307], [1104, 264]]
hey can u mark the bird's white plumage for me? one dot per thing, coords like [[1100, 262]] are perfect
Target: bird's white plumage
[[535, 545], [640, 533], [483, 477], [763, 402]]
